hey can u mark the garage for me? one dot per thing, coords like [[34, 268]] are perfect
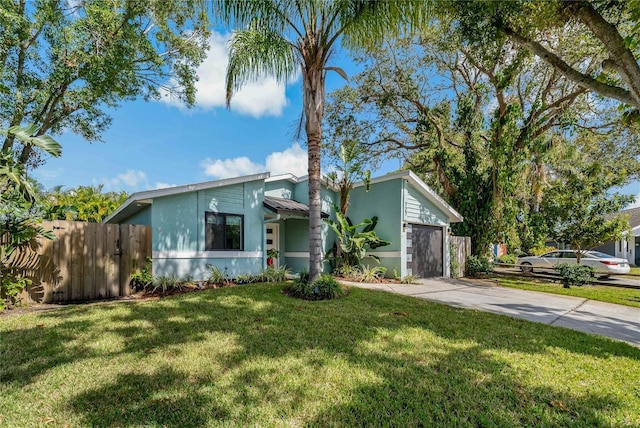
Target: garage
[[427, 255]]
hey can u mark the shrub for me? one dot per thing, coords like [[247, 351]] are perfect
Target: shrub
[[538, 251], [372, 274], [349, 272], [216, 276], [244, 278], [324, 288], [575, 274], [166, 283], [477, 265], [142, 279], [10, 288], [408, 279], [509, 259], [273, 274]]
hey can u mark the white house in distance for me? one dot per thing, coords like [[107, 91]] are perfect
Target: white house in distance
[[629, 246]]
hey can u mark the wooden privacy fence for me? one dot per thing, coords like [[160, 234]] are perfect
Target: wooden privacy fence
[[87, 261], [460, 250]]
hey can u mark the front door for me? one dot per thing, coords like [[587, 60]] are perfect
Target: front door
[[273, 240]]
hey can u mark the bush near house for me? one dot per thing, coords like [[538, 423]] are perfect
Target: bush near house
[[477, 265], [575, 274]]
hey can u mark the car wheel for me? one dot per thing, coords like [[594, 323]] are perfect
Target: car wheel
[[526, 267]]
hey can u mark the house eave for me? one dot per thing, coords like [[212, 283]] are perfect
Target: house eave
[[146, 197]]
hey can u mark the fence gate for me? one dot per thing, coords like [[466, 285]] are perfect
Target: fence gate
[[87, 261]]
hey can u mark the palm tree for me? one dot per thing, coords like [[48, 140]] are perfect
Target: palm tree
[[281, 38]]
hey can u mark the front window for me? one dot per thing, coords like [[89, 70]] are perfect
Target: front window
[[224, 231]]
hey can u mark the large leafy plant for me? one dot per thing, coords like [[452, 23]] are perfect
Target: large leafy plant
[[19, 221], [355, 239]]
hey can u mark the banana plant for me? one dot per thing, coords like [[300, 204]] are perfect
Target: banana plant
[[355, 239]]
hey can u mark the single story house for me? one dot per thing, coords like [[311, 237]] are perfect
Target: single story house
[[231, 223], [629, 246]]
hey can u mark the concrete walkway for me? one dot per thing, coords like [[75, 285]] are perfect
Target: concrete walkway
[[590, 316]]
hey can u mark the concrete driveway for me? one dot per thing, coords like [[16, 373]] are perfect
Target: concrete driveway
[[590, 316]]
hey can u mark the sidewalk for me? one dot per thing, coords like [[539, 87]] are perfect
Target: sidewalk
[[589, 316]]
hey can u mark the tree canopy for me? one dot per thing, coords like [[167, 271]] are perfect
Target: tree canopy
[[62, 63]]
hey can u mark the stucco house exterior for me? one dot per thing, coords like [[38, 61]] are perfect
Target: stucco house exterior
[[231, 223]]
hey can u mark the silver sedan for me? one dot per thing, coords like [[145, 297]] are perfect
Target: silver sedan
[[602, 263]]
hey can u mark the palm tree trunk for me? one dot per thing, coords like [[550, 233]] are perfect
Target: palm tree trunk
[[313, 81]]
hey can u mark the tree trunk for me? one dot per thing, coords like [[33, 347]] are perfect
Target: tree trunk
[[313, 83]]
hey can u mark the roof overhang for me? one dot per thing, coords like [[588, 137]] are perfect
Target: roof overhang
[[140, 200], [287, 207]]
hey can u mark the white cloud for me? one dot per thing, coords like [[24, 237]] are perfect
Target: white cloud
[[264, 97], [129, 180], [226, 168], [292, 160], [161, 185]]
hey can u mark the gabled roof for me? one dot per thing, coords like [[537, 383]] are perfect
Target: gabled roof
[[420, 186], [287, 207], [140, 200], [634, 216]]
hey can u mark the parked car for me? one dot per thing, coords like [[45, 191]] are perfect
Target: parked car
[[602, 263]]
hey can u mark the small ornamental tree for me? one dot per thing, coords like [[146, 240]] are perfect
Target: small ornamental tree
[[581, 211]]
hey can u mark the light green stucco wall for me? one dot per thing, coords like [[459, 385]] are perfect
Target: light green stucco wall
[[418, 209], [142, 217], [383, 200], [279, 189], [178, 237], [175, 223]]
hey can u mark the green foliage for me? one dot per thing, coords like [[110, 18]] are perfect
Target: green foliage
[[509, 259], [216, 276], [10, 288], [63, 65], [407, 279], [372, 274], [166, 283], [323, 288], [575, 274], [143, 279], [273, 274], [273, 253], [353, 242], [84, 203], [19, 217], [538, 251], [454, 263], [477, 265], [581, 210]]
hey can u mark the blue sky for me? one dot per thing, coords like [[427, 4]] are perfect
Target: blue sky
[[151, 145], [158, 144]]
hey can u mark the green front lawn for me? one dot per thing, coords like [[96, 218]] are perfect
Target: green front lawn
[[603, 293], [249, 356]]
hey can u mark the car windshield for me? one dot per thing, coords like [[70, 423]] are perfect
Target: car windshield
[[598, 255]]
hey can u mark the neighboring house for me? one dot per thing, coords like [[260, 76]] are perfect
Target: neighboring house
[[231, 223], [629, 246]]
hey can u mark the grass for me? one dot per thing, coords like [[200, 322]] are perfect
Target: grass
[[603, 293], [635, 271], [249, 356]]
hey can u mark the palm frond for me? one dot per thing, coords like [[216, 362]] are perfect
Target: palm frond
[[256, 52]]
